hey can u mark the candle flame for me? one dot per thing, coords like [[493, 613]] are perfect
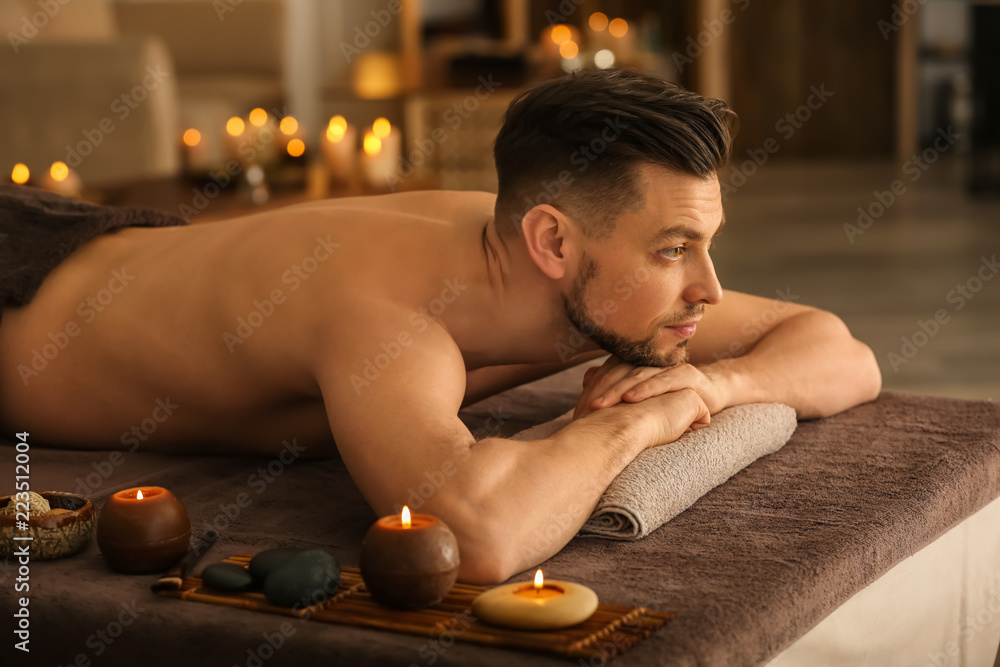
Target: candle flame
[[59, 171], [381, 127], [335, 133], [139, 497], [569, 49], [20, 174], [406, 516], [539, 581], [288, 125], [258, 117], [338, 121], [372, 144], [296, 147], [235, 126], [560, 33]]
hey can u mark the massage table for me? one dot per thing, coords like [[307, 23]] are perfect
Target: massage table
[[871, 538]]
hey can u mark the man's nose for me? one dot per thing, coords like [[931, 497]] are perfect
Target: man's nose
[[704, 286]]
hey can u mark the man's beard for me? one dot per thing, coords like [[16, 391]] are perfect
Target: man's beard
[[636, 351]]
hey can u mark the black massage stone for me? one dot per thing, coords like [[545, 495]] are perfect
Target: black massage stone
[[308, 578], [268, 561], [227, 577]]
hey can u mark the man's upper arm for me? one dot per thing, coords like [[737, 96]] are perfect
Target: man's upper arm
[[393, 427], [733, 327]]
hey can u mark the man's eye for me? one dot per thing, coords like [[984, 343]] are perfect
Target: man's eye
[[673, 254]]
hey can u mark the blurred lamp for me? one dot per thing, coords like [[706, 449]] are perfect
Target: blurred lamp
[[376, 76]]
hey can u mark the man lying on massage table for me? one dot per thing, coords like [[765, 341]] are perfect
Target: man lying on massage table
[[374, 319]]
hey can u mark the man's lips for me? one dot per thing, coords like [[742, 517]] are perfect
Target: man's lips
[[685, 330]]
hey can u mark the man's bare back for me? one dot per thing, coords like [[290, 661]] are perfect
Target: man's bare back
[[224, 323]]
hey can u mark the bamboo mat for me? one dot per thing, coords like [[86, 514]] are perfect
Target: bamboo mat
[[609, 632]]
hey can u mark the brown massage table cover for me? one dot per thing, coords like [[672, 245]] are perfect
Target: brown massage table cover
[[748, 569]]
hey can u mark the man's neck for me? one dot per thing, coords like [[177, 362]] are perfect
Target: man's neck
[[509, 313]]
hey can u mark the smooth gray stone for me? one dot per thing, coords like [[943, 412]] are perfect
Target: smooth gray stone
[[306, 579], [268, 561], [227, 577]]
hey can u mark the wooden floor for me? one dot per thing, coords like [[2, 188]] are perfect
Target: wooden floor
[[785, 231]]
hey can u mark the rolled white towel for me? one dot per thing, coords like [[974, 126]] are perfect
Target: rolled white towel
[[661, 482]]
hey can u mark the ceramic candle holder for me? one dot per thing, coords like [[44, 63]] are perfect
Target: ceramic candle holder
[[143, 535], [409, 568]]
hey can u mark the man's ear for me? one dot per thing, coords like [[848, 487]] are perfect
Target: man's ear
[[547, 233]]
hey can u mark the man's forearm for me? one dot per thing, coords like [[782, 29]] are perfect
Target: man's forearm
[[523, 501], [810, 362]]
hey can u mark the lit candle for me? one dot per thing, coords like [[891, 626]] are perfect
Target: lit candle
[[540, 605], [143, 530], [622, 39], [597, 31], [62, 180], [339, 144], [381, 150], [235, 136], [194, 153], [409, 562], [20, 174]]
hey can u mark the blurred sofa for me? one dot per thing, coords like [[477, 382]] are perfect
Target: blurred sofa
[[76, 90], [108, 87]]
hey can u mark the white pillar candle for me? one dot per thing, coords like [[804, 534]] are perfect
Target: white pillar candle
[[195, 155], [382, 148], [340, 144], [62, 180]]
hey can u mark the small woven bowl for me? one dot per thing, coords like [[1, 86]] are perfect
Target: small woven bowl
[[53, 536]]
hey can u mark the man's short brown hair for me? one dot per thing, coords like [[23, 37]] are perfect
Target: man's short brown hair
[[576, 143]]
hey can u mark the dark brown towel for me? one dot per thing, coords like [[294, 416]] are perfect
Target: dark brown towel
[[38, 230]]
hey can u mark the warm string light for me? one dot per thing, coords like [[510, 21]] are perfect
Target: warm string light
[[560, 33], [406, 517], [296, 147], [569, 49]]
